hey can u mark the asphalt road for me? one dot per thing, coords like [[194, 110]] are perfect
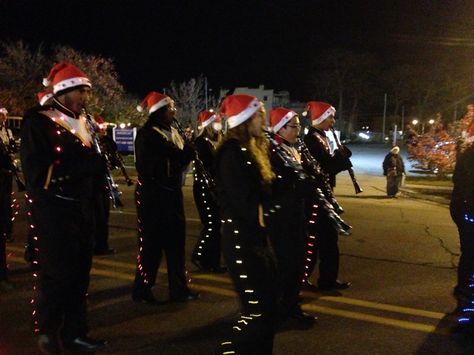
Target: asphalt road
[[401, 260]]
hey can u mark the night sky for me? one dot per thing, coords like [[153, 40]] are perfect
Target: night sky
[[239, 43]]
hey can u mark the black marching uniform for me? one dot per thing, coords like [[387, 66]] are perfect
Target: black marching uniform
[[287, 227], [325, 247], [462, 213], [207, 252], [246, 250], [161, 158], [61, 168]]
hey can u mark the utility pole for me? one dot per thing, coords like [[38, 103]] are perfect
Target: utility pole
[[384, 117], [394, 136], [455, 115]]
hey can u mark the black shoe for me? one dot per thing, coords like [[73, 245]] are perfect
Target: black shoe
[[143, 296], [84, 344], [297, 320], [109, 251], [336, 285], [49, 345], [308, 286], [189, 296], [6, 285]]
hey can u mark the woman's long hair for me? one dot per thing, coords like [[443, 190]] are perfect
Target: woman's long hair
[[257, 146]]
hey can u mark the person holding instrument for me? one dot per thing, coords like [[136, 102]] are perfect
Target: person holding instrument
[[61, 169], [326, 236], [161, 157], [207, 252]]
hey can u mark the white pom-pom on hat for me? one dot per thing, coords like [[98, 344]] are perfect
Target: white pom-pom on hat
[[46, 82], [139, 108]]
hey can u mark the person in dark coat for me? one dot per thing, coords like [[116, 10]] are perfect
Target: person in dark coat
[[288, 229], [162, 155], [243, 177], [207, 252], [61, 166], [323, 236], [5, 198], [393, 169], [462, 213]]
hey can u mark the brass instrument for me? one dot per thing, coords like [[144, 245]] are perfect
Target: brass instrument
[[9, 150], [346, 162], [114, 192]]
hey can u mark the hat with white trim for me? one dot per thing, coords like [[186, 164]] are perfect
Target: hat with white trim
[[239, 108], [154, 101], [319, 111], [65, 76], [280, 117]]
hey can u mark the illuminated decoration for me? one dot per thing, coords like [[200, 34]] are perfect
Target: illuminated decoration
[[468, 218], [466, 317], [140, 268], [311, 242]]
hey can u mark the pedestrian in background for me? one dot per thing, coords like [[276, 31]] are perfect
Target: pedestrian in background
[[394, 170]]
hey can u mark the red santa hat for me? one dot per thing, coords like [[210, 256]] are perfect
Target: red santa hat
[[44, 96], [319, 111], [64, 76], [280, 117], [205, 118], [99, 120], [239, 108], [154, 101]]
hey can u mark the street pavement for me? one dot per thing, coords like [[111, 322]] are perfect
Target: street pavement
[[401, 259]]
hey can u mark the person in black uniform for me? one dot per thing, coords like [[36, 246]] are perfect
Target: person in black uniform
[[287, 229], [462, 213], [5, 198], [243, 180], [45, 99], [207, 252], [6, 179], [325, 246], [393, 169], [162, 155], [60, 167]]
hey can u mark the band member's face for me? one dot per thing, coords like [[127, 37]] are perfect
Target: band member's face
[[3, 118], [76, 100], [170, 113], [327, 123], [291, 130], [257, 123]]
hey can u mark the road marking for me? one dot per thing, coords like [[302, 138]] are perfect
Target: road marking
[[384, 307], [426, 328]]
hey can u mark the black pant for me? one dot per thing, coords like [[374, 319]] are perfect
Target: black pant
[[288, 237], [207, 251], [326, 249], [161, 228], [466, 240], [65, 240], [252, 268]]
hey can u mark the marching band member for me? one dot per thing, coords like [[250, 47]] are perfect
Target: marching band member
[[61, 168], [243, 180], [207, 252], [161, 157], [326, 236], [288, 230]]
